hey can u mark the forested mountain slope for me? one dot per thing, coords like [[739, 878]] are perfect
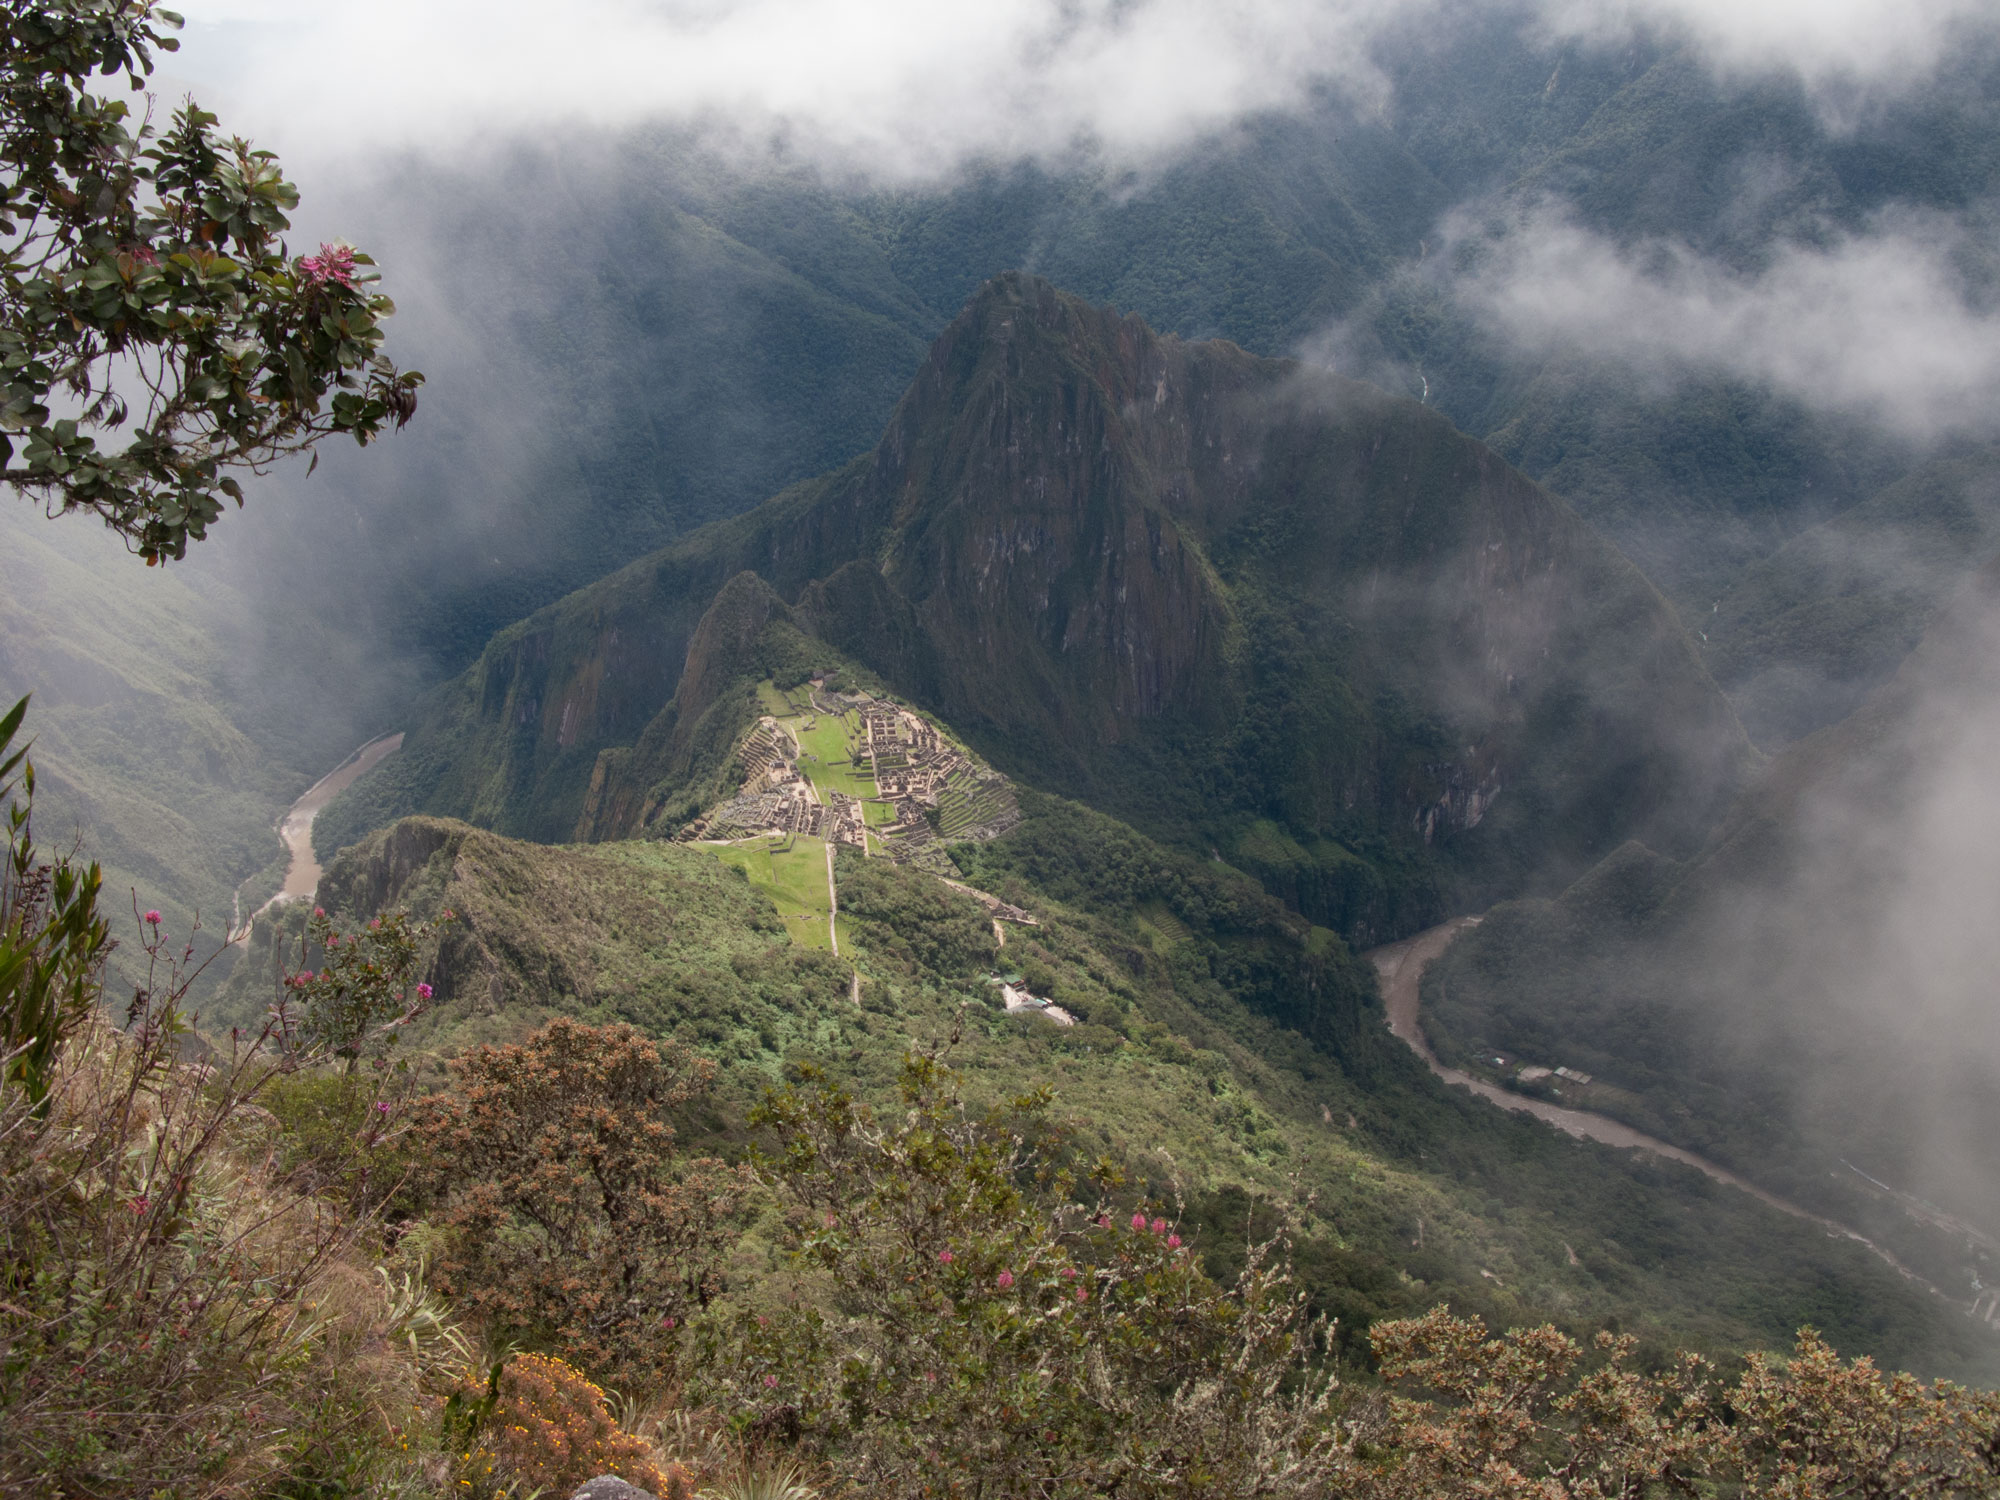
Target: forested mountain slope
[[1803, 637], [137, 720], [1248, 605], [1223, 1047]]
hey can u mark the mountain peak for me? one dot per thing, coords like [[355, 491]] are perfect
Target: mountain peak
[[1253, 606]]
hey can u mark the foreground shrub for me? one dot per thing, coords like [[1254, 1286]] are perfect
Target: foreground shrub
[[972, 1330], [573, 1222], [163, 1291], [53, 941], [1523, 1416], [169, 1323], [538, 1424]]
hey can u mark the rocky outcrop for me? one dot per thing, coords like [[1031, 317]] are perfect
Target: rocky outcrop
[[610, 1487]]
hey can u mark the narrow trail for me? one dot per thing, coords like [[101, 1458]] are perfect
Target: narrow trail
[[1402, 966], [302, 874], [832, 903]]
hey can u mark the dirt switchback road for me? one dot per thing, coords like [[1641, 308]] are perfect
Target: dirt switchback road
[[1402, 966]]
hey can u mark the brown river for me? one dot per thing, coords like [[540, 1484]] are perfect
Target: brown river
[[302, 874], [1402, 966]]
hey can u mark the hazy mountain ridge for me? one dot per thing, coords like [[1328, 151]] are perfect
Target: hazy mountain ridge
[[1159, 576], [704, 326]]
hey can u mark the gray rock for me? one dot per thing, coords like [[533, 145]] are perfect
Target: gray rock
[[608, 1487]]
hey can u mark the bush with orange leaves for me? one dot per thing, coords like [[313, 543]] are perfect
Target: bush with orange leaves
[[538, 1424], [576, 1225], [1520, 1418]]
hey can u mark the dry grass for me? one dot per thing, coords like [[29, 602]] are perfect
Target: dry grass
[[176, 1315]]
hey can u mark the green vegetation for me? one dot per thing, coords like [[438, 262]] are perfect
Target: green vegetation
[[1218, 1066], [826, 746], [128, 246], [1331, 725], [792, 872], [224, 1217], [1804, 636]]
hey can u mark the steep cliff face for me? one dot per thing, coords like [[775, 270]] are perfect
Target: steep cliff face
[[1040, 470], [1208, 591]]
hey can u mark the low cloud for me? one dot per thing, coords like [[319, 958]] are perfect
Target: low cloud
[[909, 89], [1841, 48], [895, 88], [1884, 325]]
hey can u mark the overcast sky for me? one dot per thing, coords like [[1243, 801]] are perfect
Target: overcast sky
[[908, 86]]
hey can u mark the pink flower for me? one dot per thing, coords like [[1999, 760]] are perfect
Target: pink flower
[[143, 255], [334, 263], [770, 1382], [140, 1204], [667, 1322], [1159, 1226], [1082, 1295], [1139, 1222], [1104, 1221], [1069, 1273], [382, 1106], [423, 992], [944, 1257], [1006, 1280], [319, 911], [303, 977], [374, 924], [1173, 1242], [153, 918]]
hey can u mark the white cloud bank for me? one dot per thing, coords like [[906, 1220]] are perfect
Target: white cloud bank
[[894, 87], [1881, 326], [1835, 45], [913, 87]]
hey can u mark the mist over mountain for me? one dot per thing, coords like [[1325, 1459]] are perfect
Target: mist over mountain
[[1346, 467], [633, 331], [1245, 604], [1809, 998]]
